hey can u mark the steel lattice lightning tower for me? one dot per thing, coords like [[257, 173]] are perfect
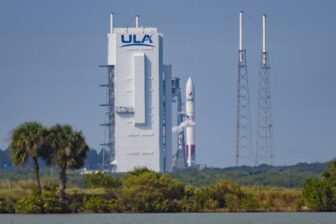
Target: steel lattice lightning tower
[[110, 121], [244, 150], [265, 146]]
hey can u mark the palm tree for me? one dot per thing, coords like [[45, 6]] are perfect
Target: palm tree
[[70, 151], [27, 141]]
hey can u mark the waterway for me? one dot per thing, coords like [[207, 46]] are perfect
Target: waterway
[[172, 218]]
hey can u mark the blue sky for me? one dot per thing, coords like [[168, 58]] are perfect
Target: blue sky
[[49, 52]]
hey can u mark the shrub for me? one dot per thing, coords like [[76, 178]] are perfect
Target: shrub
[[6, 206], [115, 205], [226, 193], [320, 194], [232, 201], [29, 204], [147, 191], [48, 202], [100, 180], [51, 203], [96, 204], [76, 202], [189, 205], [249, 203]]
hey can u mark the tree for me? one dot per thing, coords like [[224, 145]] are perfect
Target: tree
[[27, 140], [330, 173], [69, 149], [320, 193]]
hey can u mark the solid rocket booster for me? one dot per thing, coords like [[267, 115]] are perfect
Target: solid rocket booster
[[190, 130]]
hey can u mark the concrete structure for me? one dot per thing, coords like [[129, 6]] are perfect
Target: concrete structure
[[143, 98]]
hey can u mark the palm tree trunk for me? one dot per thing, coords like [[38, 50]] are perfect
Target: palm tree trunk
[[63, 180], [37, 175]]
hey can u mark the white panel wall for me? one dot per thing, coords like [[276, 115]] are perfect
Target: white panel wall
[[139, 88], [138, 85], [111, 49]]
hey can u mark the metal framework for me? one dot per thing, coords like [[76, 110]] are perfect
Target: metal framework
[[265, 146], [244, 149], [180, 160], [109, 124], [164, 123]]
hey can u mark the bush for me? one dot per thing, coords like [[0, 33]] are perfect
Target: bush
[[232, 201], [249, 203], [29, 204], [189, 205], [96, 204], [52, 204], [320, 194], [115, 205], [147, 191], [76, 202], [227, 194], [100, 180], [48, 202], [6, 206]]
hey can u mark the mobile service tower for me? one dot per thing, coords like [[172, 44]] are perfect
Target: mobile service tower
[[142, 91]]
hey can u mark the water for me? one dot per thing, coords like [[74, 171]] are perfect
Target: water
[[174, 218]]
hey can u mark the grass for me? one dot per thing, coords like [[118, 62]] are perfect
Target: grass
[[276, 198]]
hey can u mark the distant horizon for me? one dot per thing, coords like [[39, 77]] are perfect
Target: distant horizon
[[206, 166]]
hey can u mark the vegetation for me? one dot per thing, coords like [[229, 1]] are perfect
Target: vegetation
[[145, 191], [27, 141], [59, 145], [263, 175], [142, 190], [284, 176], [69, 151], [99, 179], [320, 193]]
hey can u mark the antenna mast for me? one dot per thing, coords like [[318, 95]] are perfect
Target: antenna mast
[[265, 146], [244, 149]]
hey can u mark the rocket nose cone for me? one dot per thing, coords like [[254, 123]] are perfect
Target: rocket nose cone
[[190, 85], [190, 90]]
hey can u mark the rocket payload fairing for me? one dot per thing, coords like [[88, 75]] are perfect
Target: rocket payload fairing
[[190, 130]]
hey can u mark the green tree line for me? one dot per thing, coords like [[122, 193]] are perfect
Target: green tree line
[[141, 190]]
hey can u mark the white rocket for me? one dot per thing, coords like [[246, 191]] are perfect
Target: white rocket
[[190, 129]]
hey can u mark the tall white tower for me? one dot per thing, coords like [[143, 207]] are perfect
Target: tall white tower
[[142, 98]]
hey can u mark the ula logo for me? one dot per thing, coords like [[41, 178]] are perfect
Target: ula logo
[[132, 40], [190, 96]]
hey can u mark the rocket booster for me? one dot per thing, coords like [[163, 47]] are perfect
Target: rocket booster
[[190, 130]]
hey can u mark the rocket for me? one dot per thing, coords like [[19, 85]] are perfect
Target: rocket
[[190, 117]]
